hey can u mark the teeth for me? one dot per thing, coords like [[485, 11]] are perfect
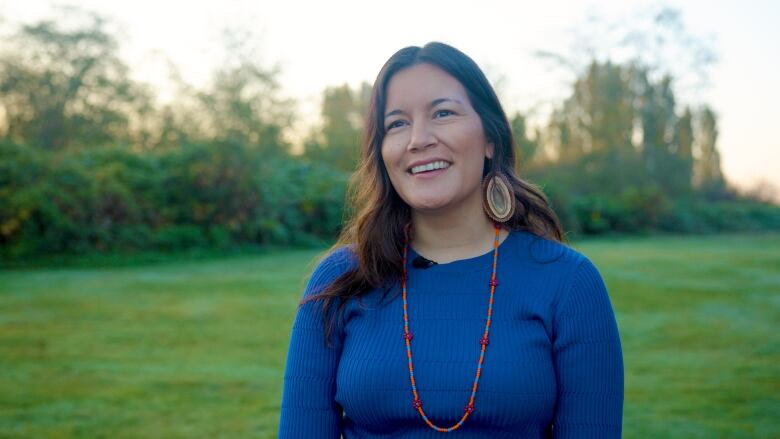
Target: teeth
[[430, 167]]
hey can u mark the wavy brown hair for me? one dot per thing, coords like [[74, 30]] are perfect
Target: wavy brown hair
[[375, 231]]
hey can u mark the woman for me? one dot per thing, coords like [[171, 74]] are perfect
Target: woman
[[449, 303]]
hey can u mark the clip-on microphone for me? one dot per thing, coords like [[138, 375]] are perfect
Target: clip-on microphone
[[421, 262]]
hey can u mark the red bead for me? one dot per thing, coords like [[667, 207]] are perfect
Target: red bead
[[493, 282], [408, 336], [484, 341], [469, 408], [417, 404]]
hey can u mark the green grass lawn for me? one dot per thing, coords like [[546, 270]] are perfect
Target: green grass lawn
[[197, 349]]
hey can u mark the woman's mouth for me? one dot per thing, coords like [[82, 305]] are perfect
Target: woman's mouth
[[430, 170]]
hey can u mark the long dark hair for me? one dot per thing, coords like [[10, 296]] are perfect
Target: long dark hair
[[375, 231]]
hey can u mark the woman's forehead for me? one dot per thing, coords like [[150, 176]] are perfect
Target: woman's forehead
[[423, 85]]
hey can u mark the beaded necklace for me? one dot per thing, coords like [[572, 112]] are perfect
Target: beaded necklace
[[417, 402]]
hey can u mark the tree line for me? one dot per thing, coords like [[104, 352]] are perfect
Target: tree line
[[92, 160]]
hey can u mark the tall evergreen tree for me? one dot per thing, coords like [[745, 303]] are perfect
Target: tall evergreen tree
[[657, 113], [594, 127], [708, 176], [682, 148], [338, 141], [527, 148]]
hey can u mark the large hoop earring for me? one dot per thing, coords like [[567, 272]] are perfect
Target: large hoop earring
[[498, 199]]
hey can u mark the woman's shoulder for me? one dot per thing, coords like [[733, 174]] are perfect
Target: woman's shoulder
[[580, 285], [342, 257], [552, 259], [543, 250], [332, 264]]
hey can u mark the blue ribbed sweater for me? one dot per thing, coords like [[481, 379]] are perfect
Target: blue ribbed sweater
[[553, 368]]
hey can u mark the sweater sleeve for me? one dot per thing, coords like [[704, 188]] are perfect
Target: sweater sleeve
[[308, 407], [588, 360]]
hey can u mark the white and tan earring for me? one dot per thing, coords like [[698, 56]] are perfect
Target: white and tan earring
[[498, 198]]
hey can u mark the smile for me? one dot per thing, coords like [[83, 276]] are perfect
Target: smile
[[429, 167]]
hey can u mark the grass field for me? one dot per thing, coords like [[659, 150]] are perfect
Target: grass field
[[197, 349]]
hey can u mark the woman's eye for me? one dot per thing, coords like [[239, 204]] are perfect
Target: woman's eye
[[442, 113], [394, 124]]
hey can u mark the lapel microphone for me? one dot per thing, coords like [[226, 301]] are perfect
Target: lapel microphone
[[421, 262]]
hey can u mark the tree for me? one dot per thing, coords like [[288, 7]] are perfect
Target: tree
[[662, 63], [708, 177], [62, 86], [594, 128], [655, 39], [242, 102], [343, 119], [656, 111], [682, 147], [527, 148]]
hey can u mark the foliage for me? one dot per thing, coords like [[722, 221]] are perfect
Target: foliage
[[199, 195], [92, 162], [338, 142], [65, 84]]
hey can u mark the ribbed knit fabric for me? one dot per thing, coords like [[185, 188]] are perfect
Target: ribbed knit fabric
[[553, 368]]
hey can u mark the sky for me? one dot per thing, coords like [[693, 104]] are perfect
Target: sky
[[316, 44]]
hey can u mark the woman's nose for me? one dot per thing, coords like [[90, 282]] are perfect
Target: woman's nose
[[422, 136]]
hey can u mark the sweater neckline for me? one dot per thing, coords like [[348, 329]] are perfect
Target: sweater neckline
[[481, 262]]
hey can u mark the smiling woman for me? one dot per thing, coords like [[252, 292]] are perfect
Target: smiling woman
[[434, 144], [450, 302]]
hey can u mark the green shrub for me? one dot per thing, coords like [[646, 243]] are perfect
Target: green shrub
[[214, 195], [224, 194]]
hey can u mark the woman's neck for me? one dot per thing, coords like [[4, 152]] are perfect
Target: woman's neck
[[446, 238]]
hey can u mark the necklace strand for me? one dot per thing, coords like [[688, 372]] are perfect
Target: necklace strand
[[417, 402]]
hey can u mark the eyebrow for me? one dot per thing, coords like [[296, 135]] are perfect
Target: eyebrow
[[433, 103]]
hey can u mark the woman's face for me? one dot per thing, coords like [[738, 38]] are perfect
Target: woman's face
[[430, 121]]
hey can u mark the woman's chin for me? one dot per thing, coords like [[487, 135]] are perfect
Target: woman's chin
[[429, 205]]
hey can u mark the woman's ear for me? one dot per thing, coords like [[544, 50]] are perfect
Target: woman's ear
[[490, 150]]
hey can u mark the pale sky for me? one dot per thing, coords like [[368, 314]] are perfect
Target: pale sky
[[317, 44]]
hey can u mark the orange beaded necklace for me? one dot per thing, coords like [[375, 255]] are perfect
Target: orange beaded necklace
[[417, 403]]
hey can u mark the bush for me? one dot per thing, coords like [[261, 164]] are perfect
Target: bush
[[201, 195], [225, 194]]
